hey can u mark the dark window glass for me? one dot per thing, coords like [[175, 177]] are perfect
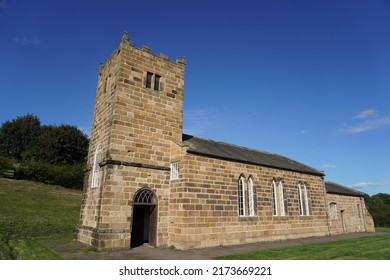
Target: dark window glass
[[157, 82], [149, 80], [241, 197]]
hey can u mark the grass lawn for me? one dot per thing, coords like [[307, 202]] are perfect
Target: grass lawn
[[364, 248], [32, 212], [379, 229]]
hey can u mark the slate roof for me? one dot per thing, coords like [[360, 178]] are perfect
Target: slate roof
[[339, 189], [231, 152]]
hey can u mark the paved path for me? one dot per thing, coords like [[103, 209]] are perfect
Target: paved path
[[147, 252]]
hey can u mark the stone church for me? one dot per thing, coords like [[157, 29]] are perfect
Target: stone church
[[147, 182]]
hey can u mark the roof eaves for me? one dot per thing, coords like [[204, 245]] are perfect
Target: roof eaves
[[314, 172], [335, 188]]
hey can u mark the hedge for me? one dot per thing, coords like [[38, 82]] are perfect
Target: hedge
[[6, 166], [68, 176]]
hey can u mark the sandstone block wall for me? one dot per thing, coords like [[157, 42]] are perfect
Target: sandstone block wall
[[145, 120], [100, 135], [135, 126], [204, 205], [348, 218]]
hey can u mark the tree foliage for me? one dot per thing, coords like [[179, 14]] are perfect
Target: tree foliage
[[379, 207], [64, 144], [49, 154], [16, 135]]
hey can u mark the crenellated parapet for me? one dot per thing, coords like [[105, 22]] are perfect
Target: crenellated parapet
[[126, 42]]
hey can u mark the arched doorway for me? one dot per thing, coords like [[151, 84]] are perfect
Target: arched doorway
[[144, 223]]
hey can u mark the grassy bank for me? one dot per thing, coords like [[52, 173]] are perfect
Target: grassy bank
[[32, 212]]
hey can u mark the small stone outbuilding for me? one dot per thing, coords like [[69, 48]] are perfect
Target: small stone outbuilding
[[347, 210]]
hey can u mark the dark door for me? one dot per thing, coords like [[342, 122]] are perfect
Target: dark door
[[144, 225], [140, 226], [342, 220]]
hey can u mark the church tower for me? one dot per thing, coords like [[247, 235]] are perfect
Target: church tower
[[138, 115]]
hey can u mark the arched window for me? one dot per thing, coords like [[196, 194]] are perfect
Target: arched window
[[277, 198], [303, 200], [251, 204], [333, 210], [241, 195], [96, 167], [245, 193], [273, 193], [281, 198]]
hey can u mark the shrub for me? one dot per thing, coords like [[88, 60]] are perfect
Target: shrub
[[6, 166], [68, 176], [5, 249]]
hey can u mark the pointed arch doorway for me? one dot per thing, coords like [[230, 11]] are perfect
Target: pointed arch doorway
[[144, 223]]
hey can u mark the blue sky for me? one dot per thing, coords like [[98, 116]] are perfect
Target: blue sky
[[305, 79]]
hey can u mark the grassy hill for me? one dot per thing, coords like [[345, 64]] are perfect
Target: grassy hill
[[33, 212]]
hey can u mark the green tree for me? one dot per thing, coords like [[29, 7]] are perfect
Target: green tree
[[16, 135], [379, 207], [64, 144]]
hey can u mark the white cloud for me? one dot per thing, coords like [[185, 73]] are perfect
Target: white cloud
[[366, 124], [325, 166], [363, 185], [28, 41], [366, 114]]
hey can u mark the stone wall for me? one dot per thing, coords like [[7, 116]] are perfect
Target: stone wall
[[351, 214], [204, 205], [100, 135], [135, 126], [146, 120]]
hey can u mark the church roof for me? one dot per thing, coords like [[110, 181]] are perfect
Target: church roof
[[231, 152], [339, 189]]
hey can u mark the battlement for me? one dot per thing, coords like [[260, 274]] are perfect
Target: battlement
[[127, 42]]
